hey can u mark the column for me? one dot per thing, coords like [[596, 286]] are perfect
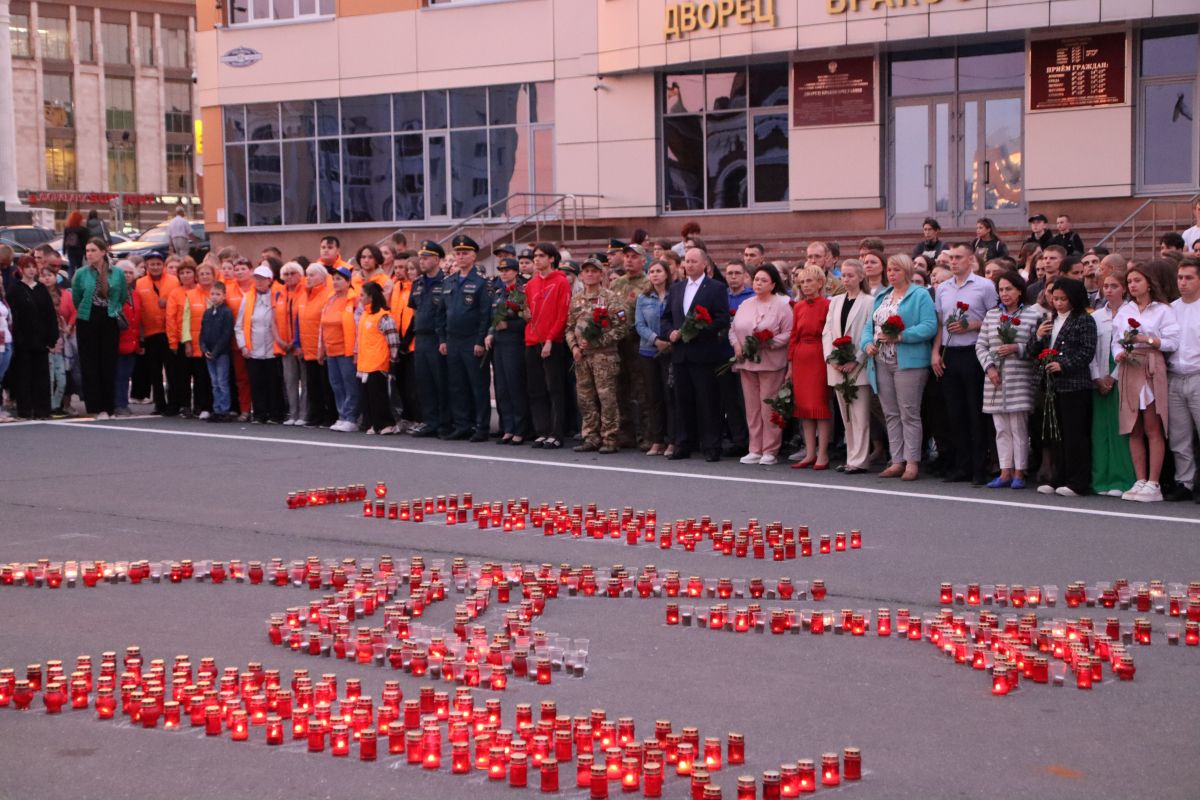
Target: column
[[8, 122]]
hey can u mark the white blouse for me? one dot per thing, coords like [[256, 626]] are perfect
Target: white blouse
[[1157, 320]]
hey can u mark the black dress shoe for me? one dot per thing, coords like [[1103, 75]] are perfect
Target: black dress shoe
[[956, 477], [1179, 494], [425, 433], [479, 436], [712, 457], [735, 450], [853, 470], [457, 436], [679, 455]]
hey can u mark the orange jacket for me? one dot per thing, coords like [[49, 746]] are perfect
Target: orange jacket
[[154, 317], [373, 355], [402, 315], [197, 299], [337, 326], [287, 309], [308, 311]]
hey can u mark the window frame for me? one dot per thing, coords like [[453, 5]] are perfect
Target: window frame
[[1141, 84]]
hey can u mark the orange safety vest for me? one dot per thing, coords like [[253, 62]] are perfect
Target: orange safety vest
[[154, 318], [197, 298], [309, 306], [248, 319], [373, 355], [337, 326], [402, 315], [287, 307]]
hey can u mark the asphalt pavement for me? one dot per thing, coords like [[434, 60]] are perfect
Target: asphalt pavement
[[162, 489]]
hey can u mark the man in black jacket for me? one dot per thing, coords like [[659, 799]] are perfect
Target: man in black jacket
[[697, 398], [35, 333], [1066, 238], [1037, 232]]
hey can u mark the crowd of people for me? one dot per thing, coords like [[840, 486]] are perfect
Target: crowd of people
[[1072, 370]]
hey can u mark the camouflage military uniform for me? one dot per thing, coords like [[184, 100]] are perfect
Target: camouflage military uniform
[[636, 421], [596, 373]]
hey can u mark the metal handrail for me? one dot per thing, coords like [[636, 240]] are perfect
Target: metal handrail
[[1135, 231], [1116, 229], [484, 217]]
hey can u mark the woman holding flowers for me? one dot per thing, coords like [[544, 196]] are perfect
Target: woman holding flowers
[[1011, 380], [1063, 347], [846, 363], [759, 333], [1112, 465], [898, 341], [1143, 330], [808, 367]]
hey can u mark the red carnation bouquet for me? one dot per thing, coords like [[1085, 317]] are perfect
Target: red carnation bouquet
[[1127, 341], [1050, 429], [597, 325], [1008, 329], [751, 347], [959, 315], [782, 405], [843, 353], [698, 319], [893, 326]]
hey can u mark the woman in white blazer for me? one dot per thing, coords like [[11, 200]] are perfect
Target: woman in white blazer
[[848, 313]]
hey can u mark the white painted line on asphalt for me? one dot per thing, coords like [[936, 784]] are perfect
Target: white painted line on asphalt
[[636, 471]]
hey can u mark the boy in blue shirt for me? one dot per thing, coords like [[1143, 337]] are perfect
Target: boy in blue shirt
[[216, 332]]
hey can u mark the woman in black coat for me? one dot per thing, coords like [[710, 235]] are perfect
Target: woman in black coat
[[35, 333]]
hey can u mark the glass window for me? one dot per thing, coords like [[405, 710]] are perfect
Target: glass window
[[177, 96], [327, 118], [179, 168], [1169, 51], [235, 124], [508, 152], [410, 177], [84, 35], [771, 158], [300, 183], [502, 105], [437, 176], [769, 85], [684, 159], [235, 186], [118, 93], [1169, 133], [406, 112], [55, 42], [57, 100], [18, 34], [725, 136], [683, 94], [543, 160], [264, 184], [367, 178], [174, 48], [262, 121], [468, 173], [924, 72], [114, 38], [283, 9], [122, 165], [146, 45], [371, 114], [725, 90], [1000, 66], [541, 102], [468, 108], [325, 7], [299, 121], [60, 162], [329, 180], [435, 109]]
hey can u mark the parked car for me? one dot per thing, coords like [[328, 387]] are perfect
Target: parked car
[[17, 248], [29, 236], [57, 243], [155, 240]]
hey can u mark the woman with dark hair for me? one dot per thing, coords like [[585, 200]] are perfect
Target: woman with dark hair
[[1011, 382], [1027, 261], [1067, 425], [1112, 463], [648, 314], [369, 260], [548, 296], [767, 317], [34, 334], [506, 342], [75, 236], [100, 292], [378, 346], [335, 349], [987, 244], [1143, 330]]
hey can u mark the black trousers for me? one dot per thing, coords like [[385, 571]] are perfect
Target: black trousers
[[140, 379], [266, 389], [962, 391], [469, 379], [508, 373], [654, 374], [377, 410], [28, 381], [405, 403], [322, 410], [1073, 450], [547, 381], [430, 366], [193, 384], [733, 407], [698, 404], [97, 340], [158, 359]]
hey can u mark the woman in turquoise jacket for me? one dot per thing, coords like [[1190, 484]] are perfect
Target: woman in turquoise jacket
[[898, 363], [99, 292]]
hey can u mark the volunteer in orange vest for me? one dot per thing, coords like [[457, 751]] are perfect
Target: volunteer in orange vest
[[369, 259], [406, 407], [322, 411], [185, 313], [336, 350], [154, 288], [378, 345], [287, 309], [255, 332], [331, 255], [239, 281]]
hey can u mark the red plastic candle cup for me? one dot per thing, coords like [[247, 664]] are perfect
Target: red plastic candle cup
[[771, 785], [852, 764], [599, 782], [274, 729], [1000, 684], [460, 758], [818, 590], [213, 721], [549, 774], [789, 780], [746, 789], [736, 749], [855, 540], [806, 776], [830, 771], [239, 726], [583, 770], [712, 754], [685, 758]]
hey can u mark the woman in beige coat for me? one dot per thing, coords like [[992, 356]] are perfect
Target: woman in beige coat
[[848, 314]]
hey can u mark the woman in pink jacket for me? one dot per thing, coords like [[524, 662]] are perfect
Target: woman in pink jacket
[[767, 318]]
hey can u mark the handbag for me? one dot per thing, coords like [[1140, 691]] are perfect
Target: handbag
[[122, 321]]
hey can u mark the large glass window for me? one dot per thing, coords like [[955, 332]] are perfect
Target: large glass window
[[60, 162], [179, 168], [1168, 151], [300, 182], [145, 44], [114, 37], [118, 99], [18, 34], [268, 10], [265, 183], [54, 39], [57, 102], [367, 166], [724, 135], [174, 47], [122, 163], [177, 96], [84, 35]]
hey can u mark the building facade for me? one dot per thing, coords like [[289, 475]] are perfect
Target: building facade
[[104, 105], [756, 114]]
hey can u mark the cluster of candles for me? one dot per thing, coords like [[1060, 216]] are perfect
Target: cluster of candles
[[56, 574], [1174, 599], [755, 540], [596, 752]]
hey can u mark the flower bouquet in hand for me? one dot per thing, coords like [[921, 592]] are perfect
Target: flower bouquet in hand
[[782, 405], [1008, 329], [1050, 429], [513, 307], [751, 347], [1127, 341], [893, 326], [959, 315], [698, 319], [597, 325], [842, 354]]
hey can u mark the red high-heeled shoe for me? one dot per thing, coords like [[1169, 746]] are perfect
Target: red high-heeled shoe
[[805, 464]]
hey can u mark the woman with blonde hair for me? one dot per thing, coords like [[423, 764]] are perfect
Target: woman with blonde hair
[[848, 313], [809, 389]]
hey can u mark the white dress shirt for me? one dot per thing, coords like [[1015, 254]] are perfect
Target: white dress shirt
[[689, 293], [1186, 358]]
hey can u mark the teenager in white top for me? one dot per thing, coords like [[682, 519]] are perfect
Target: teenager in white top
[[1184, 372]]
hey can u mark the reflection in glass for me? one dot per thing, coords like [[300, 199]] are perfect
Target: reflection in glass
[[299, 120], [770, 158], [406, 111], [541, 102], [543, 160], [283, 9], [235, 186], [768, 85], [235, 124], [57, 105], [508, 150], [371, 114], [910, 159], [941, 157], [1002, 131], [725, 145], [1169, 51], [327, 117], [684, 160], [329, 181], [437, 175], [468, 173], [55, 42], [468, 108], [265, 184], [435, 109], [725, 90], [931, 73], [410, 177], [262, 121], [367, 178], [60, 162], [1169, 132], [300, 183], [683, 93], [502, 104], [992, 70], [973, 155]]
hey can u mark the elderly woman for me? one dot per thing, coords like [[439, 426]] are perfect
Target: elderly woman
[[1011, 380], [808, 367], [287, 333], [258, 341], [899, 353], [848, 313], [99, 291], [766, 316], [322, 411]]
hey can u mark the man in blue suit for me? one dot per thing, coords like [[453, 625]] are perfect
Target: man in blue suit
[[697, 398]]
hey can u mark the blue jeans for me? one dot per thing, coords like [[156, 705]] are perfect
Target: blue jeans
[[121, 380], [345, 386], [5, 359], [218, 375]]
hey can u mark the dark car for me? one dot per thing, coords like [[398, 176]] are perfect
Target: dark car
[[29, 236], [154, 240]]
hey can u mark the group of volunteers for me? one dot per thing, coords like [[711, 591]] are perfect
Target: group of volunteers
[[1072, 370]]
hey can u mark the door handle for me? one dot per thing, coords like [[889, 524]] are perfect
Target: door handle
[[928, 175], [987, 172]]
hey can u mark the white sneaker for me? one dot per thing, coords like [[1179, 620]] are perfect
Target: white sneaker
[[102, 415], [204, 415], [768, 460], [1045, 488], [751, 458], [289, 422], [1113, 493], [1150, 493], [340, 425], [1066, 491], [1134, 491]]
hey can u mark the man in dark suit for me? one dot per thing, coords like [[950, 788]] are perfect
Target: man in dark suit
[[697, 397]]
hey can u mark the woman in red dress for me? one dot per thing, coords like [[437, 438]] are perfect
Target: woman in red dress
[[808, 369]]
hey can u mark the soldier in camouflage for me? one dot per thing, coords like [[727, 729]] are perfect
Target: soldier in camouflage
[[597, 362], [636, 421]]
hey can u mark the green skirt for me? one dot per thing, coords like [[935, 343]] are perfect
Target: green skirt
[[1112, 467]]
